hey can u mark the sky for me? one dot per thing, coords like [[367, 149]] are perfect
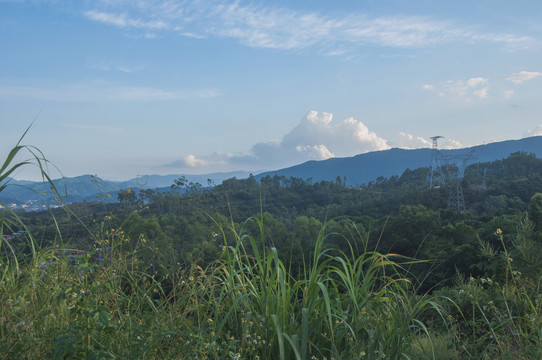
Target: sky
[[121, 88]]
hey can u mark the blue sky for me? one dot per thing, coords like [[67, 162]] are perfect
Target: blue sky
[[124, 88]]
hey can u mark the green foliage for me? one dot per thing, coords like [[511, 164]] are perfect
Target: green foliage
[[156, 277]]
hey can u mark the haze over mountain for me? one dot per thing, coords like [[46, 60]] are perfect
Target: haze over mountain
[[357, 170]]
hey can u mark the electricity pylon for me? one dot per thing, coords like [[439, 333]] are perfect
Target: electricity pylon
[[435, 176], [456, 173]]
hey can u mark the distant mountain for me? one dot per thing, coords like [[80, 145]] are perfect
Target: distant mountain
[[93, 188], [159, 181], [359, 169], [363, 168]]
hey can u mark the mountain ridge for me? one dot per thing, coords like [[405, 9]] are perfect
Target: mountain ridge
[[358, 170], [363, 168]]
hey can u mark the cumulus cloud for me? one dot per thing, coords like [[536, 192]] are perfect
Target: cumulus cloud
[[537, 131], [408, 141], [316, 137], [523, 76], [451, 144], [191, 161]]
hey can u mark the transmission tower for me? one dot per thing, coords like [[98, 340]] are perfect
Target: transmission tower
[[142, 181], [435, 176], [456, 173]]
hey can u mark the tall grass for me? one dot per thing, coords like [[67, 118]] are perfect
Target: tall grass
[[245, 305]]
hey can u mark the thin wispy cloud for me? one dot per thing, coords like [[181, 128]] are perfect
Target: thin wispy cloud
[[97, 128], [109, 65], [468, 90], [282, 28], [101, 92], [123, 21]]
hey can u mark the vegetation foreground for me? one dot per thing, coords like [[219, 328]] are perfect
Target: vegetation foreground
[[123, 297]]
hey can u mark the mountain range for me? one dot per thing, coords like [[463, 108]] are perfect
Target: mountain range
[[363, 168], [357, 170]]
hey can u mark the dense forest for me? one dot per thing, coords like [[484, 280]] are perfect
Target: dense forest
[[482, 258], [395, 215]]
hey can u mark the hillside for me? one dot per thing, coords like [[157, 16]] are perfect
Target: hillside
[[363, 168]]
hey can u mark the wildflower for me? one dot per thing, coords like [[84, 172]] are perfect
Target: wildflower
[[498, 232], [362, 353], [190, 278]]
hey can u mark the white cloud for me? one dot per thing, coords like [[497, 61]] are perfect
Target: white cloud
[[428, 87], [537, 131], [316, 137], [450, 144], [476, 82], [282, 28], [523, 76], [481, 93], [508, 94], [123, 21], [477, 87], [191, 161], [109, 65], [408, 141]]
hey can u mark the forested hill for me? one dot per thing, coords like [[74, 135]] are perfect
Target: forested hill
[[395, 214], [363, 168]]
